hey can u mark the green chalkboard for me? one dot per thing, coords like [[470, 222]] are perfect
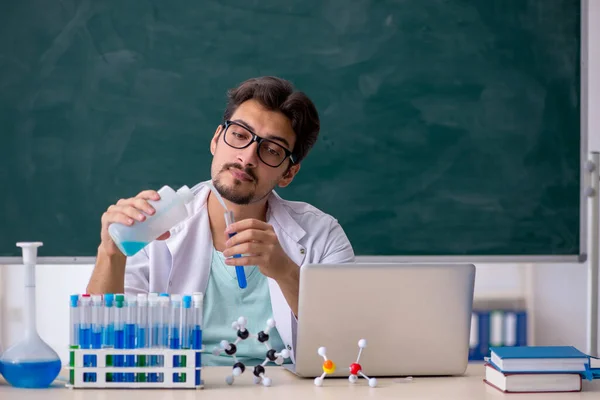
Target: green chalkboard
[[449, 127]]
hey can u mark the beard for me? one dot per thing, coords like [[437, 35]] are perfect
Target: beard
[[232, 194]]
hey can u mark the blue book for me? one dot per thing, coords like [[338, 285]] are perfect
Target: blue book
[[484, 333], [542, 359], [521, 328]]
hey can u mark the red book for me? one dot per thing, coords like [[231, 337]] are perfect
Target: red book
[[531, 382]]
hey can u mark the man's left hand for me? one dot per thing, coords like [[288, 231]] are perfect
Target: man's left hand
[[257, 242]]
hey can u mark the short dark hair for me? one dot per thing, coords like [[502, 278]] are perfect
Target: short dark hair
[[278, 94]]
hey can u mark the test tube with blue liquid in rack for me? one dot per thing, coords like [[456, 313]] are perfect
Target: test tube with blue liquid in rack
[[108, 335], [153, 332], [97, 327], [186, 330], [174, 331], [196, 336], [119, 360], [96, 332], [164, 311], [74, 333], [85, 329], [130, 333], [142, 334]]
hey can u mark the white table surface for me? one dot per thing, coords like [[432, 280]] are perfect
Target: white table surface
[[287, 386]]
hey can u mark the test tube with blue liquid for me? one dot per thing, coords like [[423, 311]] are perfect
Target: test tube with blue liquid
[[108, 335], [85, 330], [130, 333], [119, 360], [142, 334], [163, 329], [74, 333], [239, 270], [85, 323], [196, 337], [153, 329], [186, 331], [175, 330], [96, 331], [97, 328], [197, 304]]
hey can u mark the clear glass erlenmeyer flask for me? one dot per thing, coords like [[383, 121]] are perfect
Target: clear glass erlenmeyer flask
[[30, 363]]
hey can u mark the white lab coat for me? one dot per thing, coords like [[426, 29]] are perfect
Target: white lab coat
[[181, 264]]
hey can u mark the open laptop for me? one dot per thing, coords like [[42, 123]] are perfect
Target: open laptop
[[416, 318]]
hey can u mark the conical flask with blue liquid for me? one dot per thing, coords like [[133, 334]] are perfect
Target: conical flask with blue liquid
[[30, 363]]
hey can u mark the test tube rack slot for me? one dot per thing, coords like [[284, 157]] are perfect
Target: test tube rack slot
[[185, 376]]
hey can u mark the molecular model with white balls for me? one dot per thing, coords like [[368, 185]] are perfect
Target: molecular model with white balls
[[355, 368], [260, 375]]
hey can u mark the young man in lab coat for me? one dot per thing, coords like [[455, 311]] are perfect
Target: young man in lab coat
[[268, 128]]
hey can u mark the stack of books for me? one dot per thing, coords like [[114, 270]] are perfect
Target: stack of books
[[536, 369]]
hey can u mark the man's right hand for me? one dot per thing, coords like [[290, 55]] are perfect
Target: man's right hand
[[127, 212]]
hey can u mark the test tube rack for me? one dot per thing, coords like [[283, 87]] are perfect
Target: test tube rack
[[105, 376]]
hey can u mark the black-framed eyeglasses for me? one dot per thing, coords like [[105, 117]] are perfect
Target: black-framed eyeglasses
[[271, 153]]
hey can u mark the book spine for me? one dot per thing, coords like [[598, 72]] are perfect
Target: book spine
[[474, 338], [497, 334], [521, 328], [484, 334], [510, 329]]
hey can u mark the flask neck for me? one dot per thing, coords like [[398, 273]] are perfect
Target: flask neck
[[30, 327]]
